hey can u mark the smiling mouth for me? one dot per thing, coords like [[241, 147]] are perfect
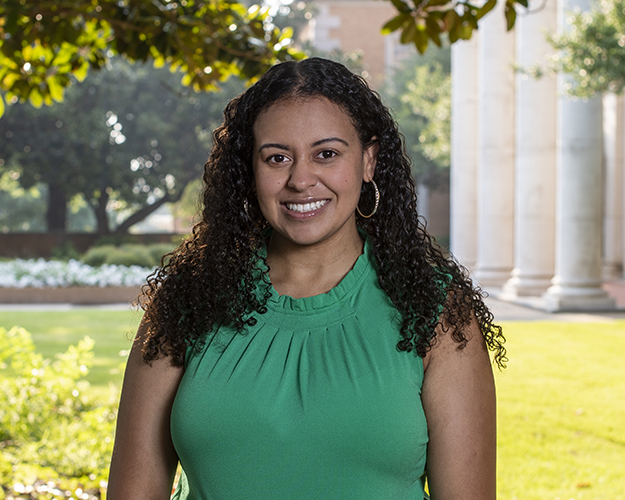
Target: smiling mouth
[[305, 207]]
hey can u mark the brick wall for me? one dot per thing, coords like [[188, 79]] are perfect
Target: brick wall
[[33, 245]]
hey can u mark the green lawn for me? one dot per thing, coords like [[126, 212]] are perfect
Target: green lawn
[[562, 412], [53, 331], [561, 399]]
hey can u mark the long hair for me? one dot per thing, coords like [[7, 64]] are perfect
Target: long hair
[[211, 280]]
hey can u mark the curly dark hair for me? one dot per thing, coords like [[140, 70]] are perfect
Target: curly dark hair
[[211, 279]]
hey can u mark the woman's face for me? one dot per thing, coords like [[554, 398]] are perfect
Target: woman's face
[[309, 167]]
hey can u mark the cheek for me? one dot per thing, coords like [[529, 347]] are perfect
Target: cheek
[[266, 188], [349, 180]]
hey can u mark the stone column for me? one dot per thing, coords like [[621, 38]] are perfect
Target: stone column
[[613, 130], [535, 168], [464, 151], [495, 205], [577, 283]]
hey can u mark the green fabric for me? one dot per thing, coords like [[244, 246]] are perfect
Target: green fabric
[[313, 402]]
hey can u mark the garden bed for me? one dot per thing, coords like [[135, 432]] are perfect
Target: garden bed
[[73, 282], [69, 295]]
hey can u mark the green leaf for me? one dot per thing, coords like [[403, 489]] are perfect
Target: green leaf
[[10, 24], [524, 3], [409, 30], [454, 33], [159, 62], [437, 3], [80, 73], [452, 19], [1, 105], [402, 6], [421, 39], [433, 30], [486, 8], [466, 31], [470, 19], [510, 16], [10, 79], [286, 33], [187, 79], [35, 98], [56, 89], [394, 23]]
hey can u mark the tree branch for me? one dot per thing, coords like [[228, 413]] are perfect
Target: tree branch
[[142, 213]]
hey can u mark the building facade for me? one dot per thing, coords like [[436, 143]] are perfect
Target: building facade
[[536, 176]]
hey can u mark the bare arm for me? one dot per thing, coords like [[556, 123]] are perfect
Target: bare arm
[[144, 460], [460, 407]]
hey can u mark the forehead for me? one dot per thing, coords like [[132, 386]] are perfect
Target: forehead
[[303, 115]]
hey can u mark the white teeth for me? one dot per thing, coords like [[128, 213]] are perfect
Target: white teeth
[[306, 207]]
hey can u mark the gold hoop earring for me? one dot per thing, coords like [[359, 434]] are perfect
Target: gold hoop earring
[[377, 202]]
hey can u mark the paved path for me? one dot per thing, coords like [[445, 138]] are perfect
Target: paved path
[[503, 311], [508, 311]]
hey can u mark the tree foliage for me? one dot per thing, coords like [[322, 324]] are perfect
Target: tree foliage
[[46, 44], [20, 209], [420, 96], [128, 138], [592, 50], [422, 21]]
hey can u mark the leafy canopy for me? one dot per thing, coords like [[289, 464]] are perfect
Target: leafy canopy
[[129, 139], [427, 20], [44, 44], [592, 51]]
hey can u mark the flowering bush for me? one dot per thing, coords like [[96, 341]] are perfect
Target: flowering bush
[[56, 438], [39, 273]]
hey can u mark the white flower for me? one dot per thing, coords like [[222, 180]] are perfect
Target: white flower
[[39, 273]]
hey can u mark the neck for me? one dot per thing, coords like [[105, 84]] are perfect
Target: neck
[[308, 270]]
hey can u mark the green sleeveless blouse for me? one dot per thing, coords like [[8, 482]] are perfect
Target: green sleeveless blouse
[[313, 402]]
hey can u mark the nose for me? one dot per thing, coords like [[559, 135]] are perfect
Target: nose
[[302, 176]]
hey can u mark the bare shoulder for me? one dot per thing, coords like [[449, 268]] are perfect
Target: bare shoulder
[[460, 406], [144, 460], [447, 350]]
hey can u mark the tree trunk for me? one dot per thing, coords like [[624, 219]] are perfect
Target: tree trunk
[[56, 214], [99, 209]]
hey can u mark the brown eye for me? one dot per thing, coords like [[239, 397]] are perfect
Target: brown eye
[[277, 158], [327, 154]]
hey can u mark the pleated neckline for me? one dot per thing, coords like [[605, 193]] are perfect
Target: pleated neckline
[[332, 298]]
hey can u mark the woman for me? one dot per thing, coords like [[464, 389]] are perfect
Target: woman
[[309, 340]]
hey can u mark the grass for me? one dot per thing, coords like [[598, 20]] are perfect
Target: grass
[[53, 331], [561, 401], [561, 410]]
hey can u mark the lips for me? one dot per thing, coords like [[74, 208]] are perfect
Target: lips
[[305, 207]]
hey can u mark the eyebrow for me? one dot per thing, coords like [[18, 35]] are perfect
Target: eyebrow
[[329, 139], [273, 145], [316, 143]]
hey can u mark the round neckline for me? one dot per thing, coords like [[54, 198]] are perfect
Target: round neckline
[[330, 298]]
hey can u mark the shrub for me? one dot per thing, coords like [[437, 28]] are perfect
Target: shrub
[[128, 254], [131, 255], [65, 252], [97, 256], [158, 250], [56, 438]]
